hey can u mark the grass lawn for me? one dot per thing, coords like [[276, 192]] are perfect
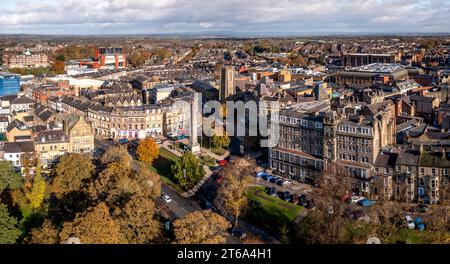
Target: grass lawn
[[409, 236], [162, 166], [270, 212]]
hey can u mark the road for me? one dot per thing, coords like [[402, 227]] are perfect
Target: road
[[179, 207]]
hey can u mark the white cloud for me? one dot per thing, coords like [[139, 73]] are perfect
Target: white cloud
[[155, 16]]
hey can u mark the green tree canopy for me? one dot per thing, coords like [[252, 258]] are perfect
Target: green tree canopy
[[187, 171], [9, 232], [9, 178]]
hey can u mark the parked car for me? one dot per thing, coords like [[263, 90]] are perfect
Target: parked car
[[261, 174], [286, 183], [303, 200], [287, 196], [166, 198], [422, 208], [274, 180], [272, 191], [356, 199], [110, 139], [158, 141], [220, 178], [238, 232], [124, 141], [268, 177], [409, 222], [418, 222], [310, 204], [222, 163], [280, 182], [366, 202]]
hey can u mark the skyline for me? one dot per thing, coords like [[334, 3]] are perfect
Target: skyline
[[268, 18]]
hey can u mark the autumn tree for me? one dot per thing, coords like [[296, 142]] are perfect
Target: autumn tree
[[137, 220], [147, 150], [27, 160], [95, 226], [46, 234], [236, 181], [9, 178], [139, 58], [117, 154], [187, 171], [118, 182], [9, 232], [71, 173], [200, 227], [36, 195]]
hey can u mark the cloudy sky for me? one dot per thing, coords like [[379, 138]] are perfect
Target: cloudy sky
[[253, 16]]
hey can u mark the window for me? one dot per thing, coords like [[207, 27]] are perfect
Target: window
[[445, 172], [433, 171], [422, 171], [319, 125], [386, 170], [408, 169], [399, 168], [303, 122]]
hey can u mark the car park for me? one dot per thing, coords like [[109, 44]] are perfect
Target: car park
[[409, 222]]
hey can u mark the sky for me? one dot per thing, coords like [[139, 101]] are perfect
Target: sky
[[92, 17]]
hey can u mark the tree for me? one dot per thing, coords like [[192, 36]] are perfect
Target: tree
[[26, 159], [117, 154], [220, 141], [147, 150], [187, 171], [233, 191], [71, 172], [139, 58], [116, 183], [36, 195], [137, 222], [200, 227], [46, 234], [9, 232], [9, 178], [95, 226]]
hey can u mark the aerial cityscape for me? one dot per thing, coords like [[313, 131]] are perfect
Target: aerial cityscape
[[220, 127]]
